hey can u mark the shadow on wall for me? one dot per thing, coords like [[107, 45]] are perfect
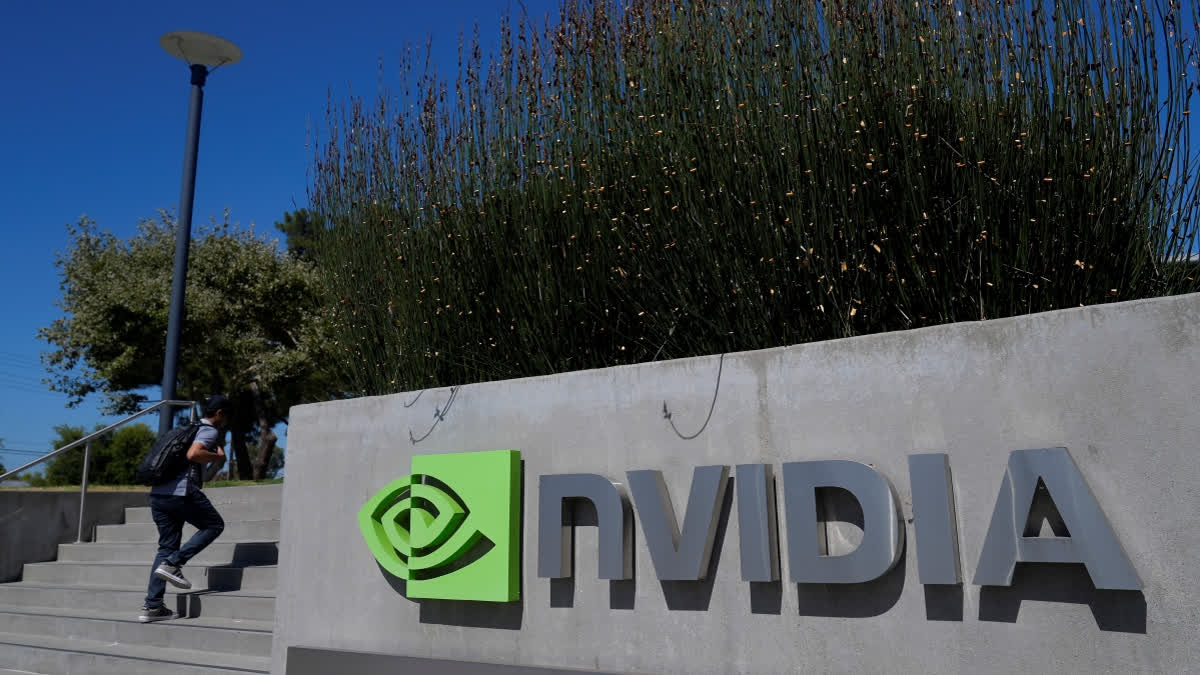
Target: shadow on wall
[[695, 596], [1117, 611], [944, 602], [854, 600], [841, 515], [582, 513], [504, 615], [622, 593]]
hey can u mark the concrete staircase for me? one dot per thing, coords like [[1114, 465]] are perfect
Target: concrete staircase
[[79, 614]]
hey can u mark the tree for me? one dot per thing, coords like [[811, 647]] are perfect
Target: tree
[[302, 229], [273, 470], [67, 468], [277, 461], [114, 457], [250, 329]]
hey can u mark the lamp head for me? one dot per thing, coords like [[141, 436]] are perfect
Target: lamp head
[[200, 48]]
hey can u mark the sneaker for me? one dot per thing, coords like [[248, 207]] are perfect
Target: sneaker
[[155, 614], [173, 574]]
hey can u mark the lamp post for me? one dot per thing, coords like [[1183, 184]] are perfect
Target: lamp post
[[201, 52]]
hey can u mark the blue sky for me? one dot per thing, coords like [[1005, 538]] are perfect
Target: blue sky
[[93, 120]]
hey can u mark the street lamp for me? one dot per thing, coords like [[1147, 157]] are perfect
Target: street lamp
[[202, 52]]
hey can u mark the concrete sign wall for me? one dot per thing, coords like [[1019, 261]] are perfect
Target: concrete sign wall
[[1117, 386]]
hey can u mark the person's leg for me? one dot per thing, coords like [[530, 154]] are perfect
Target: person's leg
[[168, 517], [199, 513]]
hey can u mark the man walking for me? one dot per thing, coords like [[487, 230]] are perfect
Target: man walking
[[178, 500]]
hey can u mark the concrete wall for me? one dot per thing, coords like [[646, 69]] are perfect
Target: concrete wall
[[34, 522], [1119, 385]]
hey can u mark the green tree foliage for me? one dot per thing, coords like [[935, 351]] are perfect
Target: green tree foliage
[[302, 229], [277, 462], [665, 178], [114, 457], [273, 470], [250, 329]]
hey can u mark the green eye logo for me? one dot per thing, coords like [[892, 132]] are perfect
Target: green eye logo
[[450, 528]]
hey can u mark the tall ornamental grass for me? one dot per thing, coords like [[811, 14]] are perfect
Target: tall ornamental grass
[[659, 179]]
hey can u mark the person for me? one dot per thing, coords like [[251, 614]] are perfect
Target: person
[[178, 500]]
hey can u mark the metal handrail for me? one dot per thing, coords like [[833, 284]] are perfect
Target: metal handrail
[[86, 442]]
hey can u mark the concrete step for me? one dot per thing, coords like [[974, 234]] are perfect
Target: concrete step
[[47, 654], [244, 605], [259, 510], [247, 530], [220, 552], [248, 638], [79, 614], [203, 577]]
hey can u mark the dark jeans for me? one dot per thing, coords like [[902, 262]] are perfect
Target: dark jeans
[[170, 513]]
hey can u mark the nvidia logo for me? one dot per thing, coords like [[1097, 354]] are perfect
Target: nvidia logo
[[450, 529]]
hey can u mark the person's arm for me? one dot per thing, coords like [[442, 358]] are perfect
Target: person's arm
[[199, 455]]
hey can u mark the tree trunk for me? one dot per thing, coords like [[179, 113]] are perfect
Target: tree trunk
[[241, 456], [266, 437]]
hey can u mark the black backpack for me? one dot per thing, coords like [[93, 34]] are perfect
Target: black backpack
[[168, 456]]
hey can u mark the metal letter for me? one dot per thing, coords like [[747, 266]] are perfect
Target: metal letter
[[686, 556], [1092, 541], [556, 545], [934, 519], [883, 529], [756, 522]]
